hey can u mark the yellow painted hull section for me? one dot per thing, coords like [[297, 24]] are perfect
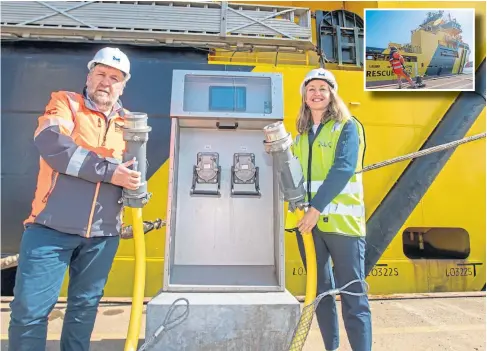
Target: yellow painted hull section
[[395, 124], [378, 71]]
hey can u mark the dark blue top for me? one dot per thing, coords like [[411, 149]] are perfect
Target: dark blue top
[[346, 156]]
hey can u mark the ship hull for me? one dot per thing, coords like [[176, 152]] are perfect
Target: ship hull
[[394, 126]]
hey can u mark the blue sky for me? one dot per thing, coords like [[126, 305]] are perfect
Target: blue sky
[[386, 26]]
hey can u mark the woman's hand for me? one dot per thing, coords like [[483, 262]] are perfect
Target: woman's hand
[[309, 220]]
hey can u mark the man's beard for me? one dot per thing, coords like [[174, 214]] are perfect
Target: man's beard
[[102, 99]]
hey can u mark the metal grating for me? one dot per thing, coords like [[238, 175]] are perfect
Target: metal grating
[[340, 36], [213, 24]]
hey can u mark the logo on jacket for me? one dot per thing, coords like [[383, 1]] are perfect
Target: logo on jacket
[[324, 143]]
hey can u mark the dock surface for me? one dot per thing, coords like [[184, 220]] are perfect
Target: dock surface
[[400, 323], [454, 82]]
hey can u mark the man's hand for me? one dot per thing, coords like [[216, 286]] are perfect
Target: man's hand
[[125, 177], [309, 220]]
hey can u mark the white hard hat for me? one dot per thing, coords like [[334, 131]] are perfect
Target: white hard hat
[[112, 57], [320, 73]]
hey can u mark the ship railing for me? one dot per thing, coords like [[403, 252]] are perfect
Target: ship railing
[[207, 24], [307, 58], [411, 49]]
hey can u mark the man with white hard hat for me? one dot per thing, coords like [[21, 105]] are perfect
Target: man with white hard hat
[[75, 220]]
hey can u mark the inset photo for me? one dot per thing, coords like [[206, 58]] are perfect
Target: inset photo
[[419, 49]]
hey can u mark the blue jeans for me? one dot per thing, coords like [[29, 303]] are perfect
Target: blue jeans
[[348, 255], [45, 255]]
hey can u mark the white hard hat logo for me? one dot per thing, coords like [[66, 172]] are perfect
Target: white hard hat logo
[[322, 74], [112, 57]]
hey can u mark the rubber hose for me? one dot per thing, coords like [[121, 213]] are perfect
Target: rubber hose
[[311, 273], [139, 282], [311, 288], [311, 270]]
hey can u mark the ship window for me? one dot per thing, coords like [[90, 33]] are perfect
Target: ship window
[[410, 58], [436, 243]]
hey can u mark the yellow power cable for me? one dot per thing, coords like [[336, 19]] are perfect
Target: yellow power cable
[[139, 282], [311, 274], [302, 329]]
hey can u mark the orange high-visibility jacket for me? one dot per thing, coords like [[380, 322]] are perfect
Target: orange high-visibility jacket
[[397, 62], [79, 148]]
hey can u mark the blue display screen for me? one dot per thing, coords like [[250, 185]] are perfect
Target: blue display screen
[[226, 98]]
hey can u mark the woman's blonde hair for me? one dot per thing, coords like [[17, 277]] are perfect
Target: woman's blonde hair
[[336, 110]]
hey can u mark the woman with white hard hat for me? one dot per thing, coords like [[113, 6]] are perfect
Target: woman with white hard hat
[[330, 147]]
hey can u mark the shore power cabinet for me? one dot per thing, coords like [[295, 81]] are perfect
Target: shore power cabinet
[[225, 229]]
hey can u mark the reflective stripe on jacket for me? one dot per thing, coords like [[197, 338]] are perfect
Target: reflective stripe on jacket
[[397, 62], [346, 212], [79, 151]]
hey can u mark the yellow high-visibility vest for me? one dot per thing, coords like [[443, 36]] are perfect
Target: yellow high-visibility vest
[[346, 212]]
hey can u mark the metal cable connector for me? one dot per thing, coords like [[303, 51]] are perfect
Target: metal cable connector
[[127, 231], [167, 324]]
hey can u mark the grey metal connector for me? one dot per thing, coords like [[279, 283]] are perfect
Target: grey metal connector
[[136, 133], [291, 180]]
